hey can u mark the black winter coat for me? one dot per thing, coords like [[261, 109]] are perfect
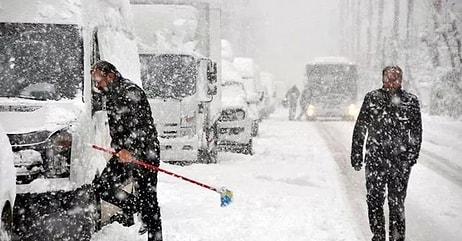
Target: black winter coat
[[131, 125], [393, 126]]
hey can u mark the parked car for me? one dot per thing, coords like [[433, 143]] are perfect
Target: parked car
[[235, 124], [7, 186]]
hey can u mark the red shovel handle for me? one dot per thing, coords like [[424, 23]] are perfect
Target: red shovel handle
[[156, 168]]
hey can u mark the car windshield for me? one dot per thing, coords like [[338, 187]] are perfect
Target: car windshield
[[40, 61], [169, 75], [332, 81]]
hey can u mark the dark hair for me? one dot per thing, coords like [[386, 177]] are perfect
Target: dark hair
[[105, 67], [393, 67]]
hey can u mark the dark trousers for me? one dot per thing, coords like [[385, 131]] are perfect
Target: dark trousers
[[395, 180], [109, 187], [292, 110]]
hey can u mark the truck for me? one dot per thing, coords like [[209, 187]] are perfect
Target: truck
[[331, 89], [181, 75], [51, 112], [181, 89]]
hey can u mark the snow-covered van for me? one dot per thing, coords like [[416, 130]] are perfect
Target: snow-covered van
[[178, 46], [247, 69], [235, 124], [7, 186], [50, 110]]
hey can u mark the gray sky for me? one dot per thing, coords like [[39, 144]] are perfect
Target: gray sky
[[292, 33]]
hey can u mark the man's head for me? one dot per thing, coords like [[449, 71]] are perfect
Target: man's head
[[392, 78], [103, 73]]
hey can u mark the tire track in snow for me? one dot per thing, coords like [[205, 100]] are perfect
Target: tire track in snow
[[420, 225], [441, 166]]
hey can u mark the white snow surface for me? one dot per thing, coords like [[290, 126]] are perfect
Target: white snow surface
[[7, 171], [294, 188]]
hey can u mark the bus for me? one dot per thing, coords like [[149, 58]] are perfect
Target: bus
[[330, 91]]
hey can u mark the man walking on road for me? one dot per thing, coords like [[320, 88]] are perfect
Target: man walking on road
[[134, 136], [390, 126]]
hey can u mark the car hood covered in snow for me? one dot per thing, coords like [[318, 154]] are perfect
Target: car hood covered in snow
[[22, 116]]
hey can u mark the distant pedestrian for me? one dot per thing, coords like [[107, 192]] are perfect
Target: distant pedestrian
[[305, 101], [134, 136], [390, 126], [292, 97]]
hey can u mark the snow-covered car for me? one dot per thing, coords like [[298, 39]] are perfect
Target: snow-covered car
[[247, 69], [235, 124], [7, 186]]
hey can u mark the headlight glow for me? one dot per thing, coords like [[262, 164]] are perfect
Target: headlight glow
[[310, 110], [353, 110]]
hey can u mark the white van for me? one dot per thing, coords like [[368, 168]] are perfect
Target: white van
[[49, 110], [7, 186], [247, 69]]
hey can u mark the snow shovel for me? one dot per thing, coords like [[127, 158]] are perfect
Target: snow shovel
[[226, 196]]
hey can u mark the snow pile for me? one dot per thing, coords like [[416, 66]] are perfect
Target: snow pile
[[166, 28], [246, 67], [227, 50], [233, 96]]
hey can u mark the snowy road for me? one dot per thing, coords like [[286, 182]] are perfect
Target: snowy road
[[299, 186], [430, 215]]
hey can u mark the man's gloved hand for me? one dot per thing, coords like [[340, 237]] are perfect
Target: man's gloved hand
[[125, 156], [356, 162]]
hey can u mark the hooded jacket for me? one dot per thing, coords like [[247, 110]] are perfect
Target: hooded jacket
[[393, 126]]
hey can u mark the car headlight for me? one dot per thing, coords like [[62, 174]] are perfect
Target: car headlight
[[240, 114], [352, 110], [310, 110], [58, 154]]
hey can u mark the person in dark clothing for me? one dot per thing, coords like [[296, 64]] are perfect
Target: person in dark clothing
[[305, 100], [292, 97], [390, 125], [134, 136]]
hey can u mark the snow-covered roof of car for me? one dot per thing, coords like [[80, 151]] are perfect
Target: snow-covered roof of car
[[245, 66], [332, 60]]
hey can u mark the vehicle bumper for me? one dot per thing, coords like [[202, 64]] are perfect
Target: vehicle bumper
[[179, 149], [234, 132]]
